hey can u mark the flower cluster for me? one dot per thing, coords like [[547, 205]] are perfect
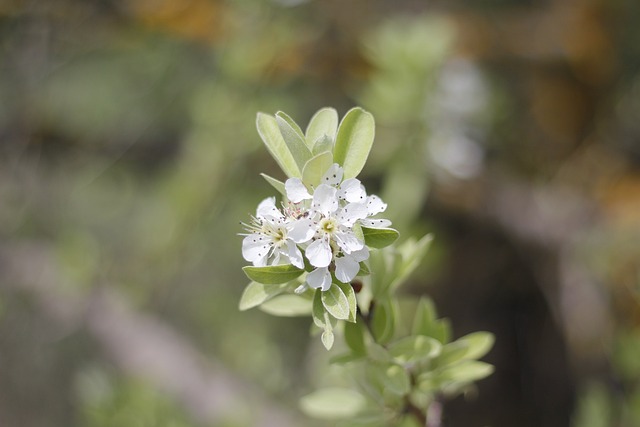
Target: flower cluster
[[320, 225]]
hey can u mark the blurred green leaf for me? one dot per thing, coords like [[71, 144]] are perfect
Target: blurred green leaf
[[316, 167], [354, 337], [353, 143], [415, 348], [383, 321], [379, 237], [272, 137], [394, 378], [332, 403], [288, 305], [256, 293], [466, 371], [336, 302], [273, 274], [426, 323], [323, 123]]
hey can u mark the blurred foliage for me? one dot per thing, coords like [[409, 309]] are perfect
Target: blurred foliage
[[128, 150]]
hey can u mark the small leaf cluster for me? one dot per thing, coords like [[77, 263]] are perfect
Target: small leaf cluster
[[400, 375]]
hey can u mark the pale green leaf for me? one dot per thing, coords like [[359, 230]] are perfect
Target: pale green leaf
[[322, 144], [347, 289], [324, 122], [354, 140], [269, 131], [332, 403], [278, 185], [315, 168], [379, 237], [467, 371], [273, 274], [288, 305], [396, 379], [415, 348], [257, 293], [478, 344], [336, 302], [426, 323], [318, 310], [294, 139], [327, 338]]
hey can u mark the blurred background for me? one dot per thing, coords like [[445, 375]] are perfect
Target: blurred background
[[128, 155]]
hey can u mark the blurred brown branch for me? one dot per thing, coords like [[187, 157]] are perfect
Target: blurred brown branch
[[138, 343]]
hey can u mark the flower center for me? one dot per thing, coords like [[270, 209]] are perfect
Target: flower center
[[328, 225]]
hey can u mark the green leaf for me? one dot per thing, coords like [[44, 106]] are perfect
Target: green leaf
[[324, 122], [269, 131], [288, 305], [478, 344], [383, 321], [318, 310], [412, 253], [364, 269], [354, 337], [379, 237], [396, 380], [273, 274], [322, 144], [315, 168], [327, 338], [415, 348], [426, 323], [294, 139], [351, 297], [332, 403], [278, 185], [354, 141], [336, 302], [256, 293], [467, 371]]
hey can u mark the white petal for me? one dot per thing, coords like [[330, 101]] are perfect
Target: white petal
[[254, 247], [319, 253], [348, 241], [352, 191], [333, 176], [296, 191], [267, 209], [301, 230], [346, 269], [375, 223], [320, 278], [375, 205], [294, 254], [351, 213], [361, 255], [325, 200]]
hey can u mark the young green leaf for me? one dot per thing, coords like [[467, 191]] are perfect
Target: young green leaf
[[278, 185], [478, 344], [354, 141], [294, 139], [324, 122], [327, 338], [256, 293], [273, 274], [315, 168], [332, 403], [287, 305], [336, 302], [269, 131], [467, 371], [396, 380], [414, 348], [322, 144], [351, 297], [379, 237]]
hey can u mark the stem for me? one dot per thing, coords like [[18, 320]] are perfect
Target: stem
[[434, 414]]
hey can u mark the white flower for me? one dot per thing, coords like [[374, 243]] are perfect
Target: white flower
[[375, 206], [274, 236]]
